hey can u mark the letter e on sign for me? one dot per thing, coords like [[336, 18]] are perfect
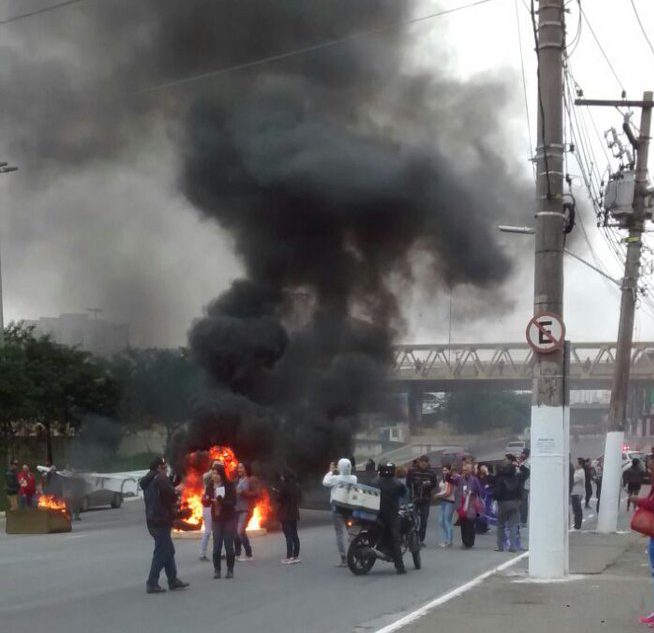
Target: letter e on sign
[[545, 333]]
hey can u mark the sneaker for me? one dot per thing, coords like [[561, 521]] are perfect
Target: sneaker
[[286, 561], [216, 573], [499, 549], [442, 545], [229, 574], [400, 571], [244, 559], [154, 589], [177, 584], [203, 557], [297, 559], [513, 550], [647, 619]]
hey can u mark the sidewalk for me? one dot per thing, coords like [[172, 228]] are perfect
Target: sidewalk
[[610, 586]]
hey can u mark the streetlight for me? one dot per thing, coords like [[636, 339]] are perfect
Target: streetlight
[[5, 168], [528, 230]]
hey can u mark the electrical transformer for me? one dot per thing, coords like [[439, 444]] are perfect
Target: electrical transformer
[[619, 195]]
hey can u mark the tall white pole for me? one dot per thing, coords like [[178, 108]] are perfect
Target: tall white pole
[[550, 419]]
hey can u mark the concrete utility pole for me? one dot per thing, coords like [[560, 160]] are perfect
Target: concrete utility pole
[[5, 168], [550, 422], [612, 473]]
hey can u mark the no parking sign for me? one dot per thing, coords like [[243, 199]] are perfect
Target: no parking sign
[[546, 333]]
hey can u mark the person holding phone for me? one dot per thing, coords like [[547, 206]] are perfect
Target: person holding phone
[[160, 498], [221, 493]]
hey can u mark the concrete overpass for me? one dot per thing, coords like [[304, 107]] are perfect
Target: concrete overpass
[[510, 366]]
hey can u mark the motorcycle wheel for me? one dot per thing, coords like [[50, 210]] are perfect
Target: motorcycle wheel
[[360, 557], [413, 542], [414, 548]]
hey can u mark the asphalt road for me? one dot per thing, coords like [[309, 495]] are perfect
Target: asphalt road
[[93, 579]]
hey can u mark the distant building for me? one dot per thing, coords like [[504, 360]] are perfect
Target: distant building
[[80, 330]]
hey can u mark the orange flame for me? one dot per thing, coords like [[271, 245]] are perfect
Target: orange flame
[[197, 464], [262, 512], [50, 502]]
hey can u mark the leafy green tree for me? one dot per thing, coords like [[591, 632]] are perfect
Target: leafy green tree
[[55, 385], [158, 387]]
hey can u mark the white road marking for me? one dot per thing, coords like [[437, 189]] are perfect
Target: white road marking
[[437, 602], [454, 593]]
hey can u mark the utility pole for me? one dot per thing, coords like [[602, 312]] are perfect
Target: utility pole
[[550, 438], [634, 222], [5, 168]]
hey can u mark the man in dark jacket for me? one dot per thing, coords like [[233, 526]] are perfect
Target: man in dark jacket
[[421, 482], [12, 485], [160, 506], [391, 491], [509, 487]]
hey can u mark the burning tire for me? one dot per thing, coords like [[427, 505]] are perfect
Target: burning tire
[[360, 557]]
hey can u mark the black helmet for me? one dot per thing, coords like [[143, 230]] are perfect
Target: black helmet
[[387, 469]]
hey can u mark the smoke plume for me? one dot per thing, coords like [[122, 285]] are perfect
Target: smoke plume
[[333, 170]]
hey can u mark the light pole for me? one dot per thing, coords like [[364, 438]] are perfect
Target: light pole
[[5, 168], [528, 230]]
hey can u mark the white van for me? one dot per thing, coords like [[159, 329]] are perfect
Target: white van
[[515, 447]]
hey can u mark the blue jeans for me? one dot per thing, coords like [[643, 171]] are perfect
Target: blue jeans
[[508, 521], [163, 556], [241, 539], [446, 516]]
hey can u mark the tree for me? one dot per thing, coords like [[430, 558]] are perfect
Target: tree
[[158, 387], [484, 410], [55, 385]]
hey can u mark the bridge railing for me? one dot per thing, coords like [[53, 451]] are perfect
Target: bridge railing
[[511, 361]]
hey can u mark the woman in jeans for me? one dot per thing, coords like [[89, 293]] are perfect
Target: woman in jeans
[[222, 495], [288, 498], [647, 503], [446, 495], [246, 496]]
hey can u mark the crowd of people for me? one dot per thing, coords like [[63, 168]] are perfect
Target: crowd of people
[[475, 498]]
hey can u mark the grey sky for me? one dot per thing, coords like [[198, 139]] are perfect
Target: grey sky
[[117, 234]]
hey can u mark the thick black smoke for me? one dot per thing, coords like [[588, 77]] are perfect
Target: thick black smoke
[[326, 198], [332, 170]]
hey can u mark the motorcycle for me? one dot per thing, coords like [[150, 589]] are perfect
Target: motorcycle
[[368, 544]]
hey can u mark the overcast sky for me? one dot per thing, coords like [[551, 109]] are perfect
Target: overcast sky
[[120, 237]]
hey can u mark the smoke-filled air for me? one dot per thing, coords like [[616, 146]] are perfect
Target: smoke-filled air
[[333, 172]]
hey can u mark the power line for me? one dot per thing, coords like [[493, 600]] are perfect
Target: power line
[[599, 44], [524, 85], [308, 49], [572, 47], [52, 7], [642, 28]]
